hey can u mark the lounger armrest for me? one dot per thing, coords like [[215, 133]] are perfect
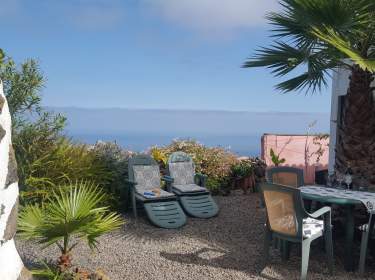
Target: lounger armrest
[[130, 182], [167, 178], [202, 179], [320, 212], [168, 182]]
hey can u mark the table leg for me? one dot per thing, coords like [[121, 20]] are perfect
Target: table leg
[[349, 237]]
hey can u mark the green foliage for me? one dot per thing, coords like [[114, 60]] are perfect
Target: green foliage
[[217, 185], [276, 160], [215, 162], [243, 168], [115, 159], [318, 35], [50, 273], [22, 88], [72, 211], [60, 163]]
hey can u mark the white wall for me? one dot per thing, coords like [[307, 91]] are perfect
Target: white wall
[[11, 265], [340, 84]]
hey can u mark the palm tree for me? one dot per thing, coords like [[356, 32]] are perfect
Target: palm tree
[[72, 213], [323, 35]]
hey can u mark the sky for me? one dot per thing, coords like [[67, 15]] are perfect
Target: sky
[[167, 54]]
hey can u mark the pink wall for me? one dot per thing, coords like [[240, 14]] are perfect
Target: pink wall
[[292, 148]]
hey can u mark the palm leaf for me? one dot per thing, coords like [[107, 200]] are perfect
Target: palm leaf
[[317, 35], [71, 211], [335, 40]]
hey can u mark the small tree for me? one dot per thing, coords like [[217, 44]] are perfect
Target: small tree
[[34, 129], [72, 212]]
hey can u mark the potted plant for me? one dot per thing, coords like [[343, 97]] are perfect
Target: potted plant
[[243, 175]]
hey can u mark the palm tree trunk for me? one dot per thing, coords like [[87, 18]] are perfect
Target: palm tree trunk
[[356, 130], [11, 266]]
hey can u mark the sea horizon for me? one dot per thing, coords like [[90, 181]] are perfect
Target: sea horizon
[[244, 145], [139, 129]]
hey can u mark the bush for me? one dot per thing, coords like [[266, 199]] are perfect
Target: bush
[[61, 163], [243, 168], [215, 162], [115, 159]]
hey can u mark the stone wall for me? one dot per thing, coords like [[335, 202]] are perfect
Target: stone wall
[[11, 266]]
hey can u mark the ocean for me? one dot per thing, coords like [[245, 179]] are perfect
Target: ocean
[[139, 129], [242, 145]]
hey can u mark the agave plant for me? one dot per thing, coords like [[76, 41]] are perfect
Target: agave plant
[[318, 36], [72, 213]]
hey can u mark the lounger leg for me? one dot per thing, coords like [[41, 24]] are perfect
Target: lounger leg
[[305, 258], [329, 249]]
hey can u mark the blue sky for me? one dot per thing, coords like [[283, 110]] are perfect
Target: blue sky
[[183, 54]]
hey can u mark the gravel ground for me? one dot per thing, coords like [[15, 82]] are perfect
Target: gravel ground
[[225, 247]]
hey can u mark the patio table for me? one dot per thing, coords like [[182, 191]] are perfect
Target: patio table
[[346, 199]]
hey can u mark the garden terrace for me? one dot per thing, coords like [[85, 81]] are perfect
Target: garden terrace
[[228, 246]]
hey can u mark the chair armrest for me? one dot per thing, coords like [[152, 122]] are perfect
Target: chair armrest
[[202, 179], [167, 179], [201, 175], [130, 182], [168, 182], [320, 212]]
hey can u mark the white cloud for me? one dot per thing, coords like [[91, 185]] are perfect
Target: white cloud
[[214, 15]]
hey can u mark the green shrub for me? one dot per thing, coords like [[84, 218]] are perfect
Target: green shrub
[[243, 168], [215, 162], [115, 159], [60, 163]]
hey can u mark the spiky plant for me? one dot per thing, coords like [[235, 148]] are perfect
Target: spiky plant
[[319, 36], [72, 213]]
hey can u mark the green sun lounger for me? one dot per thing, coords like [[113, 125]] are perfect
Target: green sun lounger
[[195, 199], [162, 208]]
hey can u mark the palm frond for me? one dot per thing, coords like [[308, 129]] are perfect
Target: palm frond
[[329, 36], [72, 211], [318, 35], [281, 58]]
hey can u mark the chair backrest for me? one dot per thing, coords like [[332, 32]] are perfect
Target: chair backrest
[[285, 211], [144, 170], [285, 175], [181, 168]]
